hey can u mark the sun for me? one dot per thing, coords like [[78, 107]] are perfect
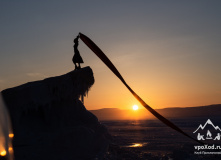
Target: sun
[[135, 107]]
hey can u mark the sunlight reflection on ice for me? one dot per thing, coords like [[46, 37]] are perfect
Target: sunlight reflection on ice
[[134, 145]]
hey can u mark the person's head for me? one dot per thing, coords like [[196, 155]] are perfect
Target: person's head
[[76, 39]]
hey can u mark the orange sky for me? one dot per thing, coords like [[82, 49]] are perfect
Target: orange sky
[[168, 52]]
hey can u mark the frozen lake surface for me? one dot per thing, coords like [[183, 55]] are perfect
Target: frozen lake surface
[[151, 139]]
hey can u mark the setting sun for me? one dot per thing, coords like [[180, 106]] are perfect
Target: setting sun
[[135, 107]]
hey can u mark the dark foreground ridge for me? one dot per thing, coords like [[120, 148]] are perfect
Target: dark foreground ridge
[[51, 123]]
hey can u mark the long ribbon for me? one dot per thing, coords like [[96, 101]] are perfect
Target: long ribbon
[[110, 65]]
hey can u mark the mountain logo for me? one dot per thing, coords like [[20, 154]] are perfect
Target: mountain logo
[[208, 135]]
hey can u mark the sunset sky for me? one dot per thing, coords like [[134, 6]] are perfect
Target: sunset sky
[[169, 51]]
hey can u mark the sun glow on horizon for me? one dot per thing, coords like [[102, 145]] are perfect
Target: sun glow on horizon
[[135, 107]]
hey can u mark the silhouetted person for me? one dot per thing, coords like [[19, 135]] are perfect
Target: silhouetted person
[[77, 57]]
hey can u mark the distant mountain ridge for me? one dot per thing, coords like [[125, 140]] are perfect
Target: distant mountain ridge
[[175, 112]]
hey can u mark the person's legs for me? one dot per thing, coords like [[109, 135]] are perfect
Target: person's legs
[[76, 67]]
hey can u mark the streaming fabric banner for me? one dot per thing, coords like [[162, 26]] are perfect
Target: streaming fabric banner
[[110, 65]]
